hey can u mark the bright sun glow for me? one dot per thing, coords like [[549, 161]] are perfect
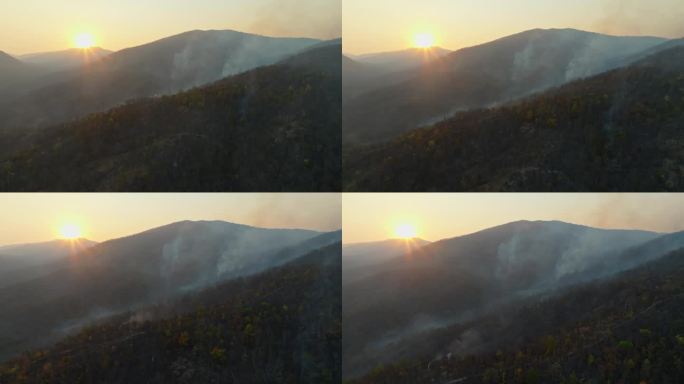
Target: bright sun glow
[[70, 231], [84, 40], [405, 231], [424, 40]]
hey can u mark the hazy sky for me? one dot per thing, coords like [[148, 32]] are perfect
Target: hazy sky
[[38, 217], [370, 217], [47, 25], [386, 25]]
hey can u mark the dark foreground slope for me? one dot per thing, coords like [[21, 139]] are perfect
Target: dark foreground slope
[[626, 330], [619, 131], [275, 128], [282, 326]]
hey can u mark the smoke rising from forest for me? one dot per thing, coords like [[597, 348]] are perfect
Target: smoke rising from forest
[[311, 18], [636, 17]]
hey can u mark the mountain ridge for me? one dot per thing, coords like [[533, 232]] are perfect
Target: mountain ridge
[[456, 279], [166, 66], [140, 270], [485, 75]]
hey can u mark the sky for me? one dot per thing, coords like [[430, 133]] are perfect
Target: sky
[[30, 217], [373, 217], [30, 26], [387, 25]]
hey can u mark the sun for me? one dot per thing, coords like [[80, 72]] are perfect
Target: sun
[[405, 231], [424, 40], [84, 40], [70, 231]]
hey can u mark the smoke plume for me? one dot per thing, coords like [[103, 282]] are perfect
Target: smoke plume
[[636, 17], [307, 18]]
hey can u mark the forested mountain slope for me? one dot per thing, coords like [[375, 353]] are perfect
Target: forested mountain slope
[[279, 326], [274, 128], [457, 280], [140, 270], [625, 330], [618, 131]]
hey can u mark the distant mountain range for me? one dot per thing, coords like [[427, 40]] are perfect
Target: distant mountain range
[[394, 306], [615, 131], [277, 94], [402, 60], [13, 71], [66, 59], [28, 261], [162, 264], [360, 258], [365, 73]]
